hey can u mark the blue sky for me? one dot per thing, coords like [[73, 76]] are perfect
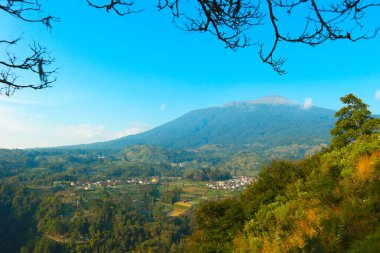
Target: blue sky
[[123, 75]]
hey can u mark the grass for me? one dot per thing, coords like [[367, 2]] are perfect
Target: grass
[[180, 207], [183, 204]]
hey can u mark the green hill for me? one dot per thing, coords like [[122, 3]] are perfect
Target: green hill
[[271, 121]]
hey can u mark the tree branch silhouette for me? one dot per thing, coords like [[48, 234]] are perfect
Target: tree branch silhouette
[[37, 62], [230, 21], [120, 7]]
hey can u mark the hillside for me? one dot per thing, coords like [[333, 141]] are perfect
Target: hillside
[[157, 199], [271, 121], [327, 202]]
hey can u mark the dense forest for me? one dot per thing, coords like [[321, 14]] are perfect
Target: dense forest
[[328, 201]]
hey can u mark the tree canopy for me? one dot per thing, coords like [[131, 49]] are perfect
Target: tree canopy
[[328, 202], [232, 22], [353, 120]]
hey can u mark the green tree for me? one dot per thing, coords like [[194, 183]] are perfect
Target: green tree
[[353, 120], [217, 223]]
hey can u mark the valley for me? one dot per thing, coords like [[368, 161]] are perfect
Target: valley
[[80, 199], [208, 198]]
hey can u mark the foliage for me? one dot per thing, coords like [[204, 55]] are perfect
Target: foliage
[[208, 174], [328, 202], [217, 224], [106, 223], [354, 120]]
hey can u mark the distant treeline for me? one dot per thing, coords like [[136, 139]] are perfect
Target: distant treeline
[[208, 174]]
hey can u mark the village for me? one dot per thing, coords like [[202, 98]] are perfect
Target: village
[[232, 184], [113, 183], [236, 183]]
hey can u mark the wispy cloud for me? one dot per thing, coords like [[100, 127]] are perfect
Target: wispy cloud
[[5, 110], [81, 132], [135, 128], [308, 103], [11, 100], [14, 122], [163, 107], [15, 127], [21, 130], [377, 95]]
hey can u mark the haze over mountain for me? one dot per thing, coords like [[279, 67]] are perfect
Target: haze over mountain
[[272, 121]]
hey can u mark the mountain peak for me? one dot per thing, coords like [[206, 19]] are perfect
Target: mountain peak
[[271, 121], [273, 100], [269, 100]]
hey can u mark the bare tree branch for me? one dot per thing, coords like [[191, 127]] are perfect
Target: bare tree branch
[[10, 42], [120, 7], [227, 20], [35, 63], [325, 22], [38, 60], [230, 21], [28, 11]]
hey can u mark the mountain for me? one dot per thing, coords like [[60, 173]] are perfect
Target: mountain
[[271, 121], [272, 100]]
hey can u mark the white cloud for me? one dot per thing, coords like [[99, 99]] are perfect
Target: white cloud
[[14, 122], [308, 103], [6, 110], [82, 132], [11, 100], [87, 133], [136, 128], [21, 130], [15, 127], [377, 95], [163, 107]]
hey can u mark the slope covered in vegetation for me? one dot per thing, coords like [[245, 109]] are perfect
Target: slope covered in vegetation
[[267, 123], [328, 202], [98, 201]]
